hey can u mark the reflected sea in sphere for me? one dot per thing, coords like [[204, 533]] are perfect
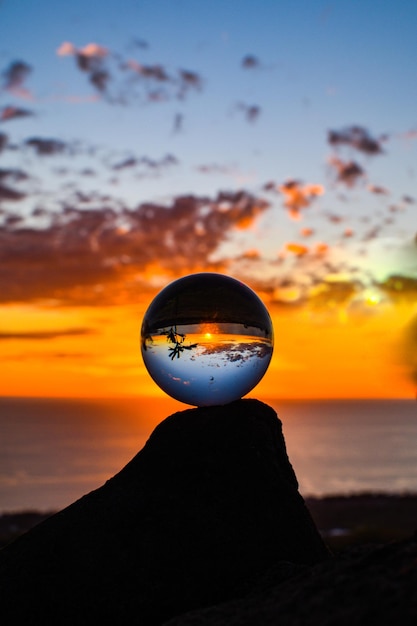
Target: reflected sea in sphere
[[207, 339]]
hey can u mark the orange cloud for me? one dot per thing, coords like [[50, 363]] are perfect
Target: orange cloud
[[82, 254], [298, 196], [297, 248], [90, 50], [348, 172]]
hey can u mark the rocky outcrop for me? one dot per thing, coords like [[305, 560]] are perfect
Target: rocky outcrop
[[363, 585], [208, 506]]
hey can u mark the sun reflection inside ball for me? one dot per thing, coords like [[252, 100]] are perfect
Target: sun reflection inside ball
[[207, 339]]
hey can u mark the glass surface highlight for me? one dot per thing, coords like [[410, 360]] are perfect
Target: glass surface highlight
[[207, 339]]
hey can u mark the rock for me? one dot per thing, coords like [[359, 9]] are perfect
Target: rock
[[366, 585], [196, 518]]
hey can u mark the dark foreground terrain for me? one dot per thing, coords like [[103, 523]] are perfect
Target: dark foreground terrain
[[205, 526]]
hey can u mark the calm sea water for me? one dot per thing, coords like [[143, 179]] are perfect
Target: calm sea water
[[54, 451]]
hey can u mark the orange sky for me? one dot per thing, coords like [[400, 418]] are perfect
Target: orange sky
[[127, 163], [333, 350], [74, 293]]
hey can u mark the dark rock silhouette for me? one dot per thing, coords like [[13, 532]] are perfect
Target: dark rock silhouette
[[196, 518], [364, 585]]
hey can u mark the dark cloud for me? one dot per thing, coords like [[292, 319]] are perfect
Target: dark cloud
[[99, 78], [123, 81], [348, 172], [46, 147], [154, 72], [188, 80], [13, 219], [125, 164], [13, 174], [83, 251], [92, 60], [250, 62], [356, 137], [4, 140], [8, 193], [42, 335], [8, 113], [251, 111], [400, 288], [139, 165], [15, 75]]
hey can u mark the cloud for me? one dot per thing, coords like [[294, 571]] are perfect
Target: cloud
[[297, 248], [132, 162], [91, 60], [9, 193], [307, 232], [378, 190], [117, 79], [298, 196], [14, 174], [251, 111], [66, 49], [92, 255], [358, 138], [41, 335], [45, 147], [348, 172], [400, 288], [250, 61], [4, 141], [14, 78], [8, 113]]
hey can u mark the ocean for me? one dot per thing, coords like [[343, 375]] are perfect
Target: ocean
[[53, 451]]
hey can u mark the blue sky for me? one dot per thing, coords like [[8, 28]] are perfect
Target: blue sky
[[316, 67]]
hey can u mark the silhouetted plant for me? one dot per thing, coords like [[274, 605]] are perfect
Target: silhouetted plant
[[177, 339]]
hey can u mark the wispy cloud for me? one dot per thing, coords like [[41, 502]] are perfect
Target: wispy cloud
[[358, 138], [42, 335], [125, 80]]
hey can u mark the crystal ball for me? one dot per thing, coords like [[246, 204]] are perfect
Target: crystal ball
[[207, 339]]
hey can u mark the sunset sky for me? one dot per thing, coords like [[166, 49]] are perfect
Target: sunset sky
[[273, 141]]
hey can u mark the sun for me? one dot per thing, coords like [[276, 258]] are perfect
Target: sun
[[209, 330]]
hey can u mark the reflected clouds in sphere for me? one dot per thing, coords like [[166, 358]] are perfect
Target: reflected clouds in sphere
[[207, 339]]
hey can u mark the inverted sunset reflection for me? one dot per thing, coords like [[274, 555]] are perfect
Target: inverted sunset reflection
[[219, 366], [207, 339]]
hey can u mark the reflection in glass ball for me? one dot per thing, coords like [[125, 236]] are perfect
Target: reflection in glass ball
[[207, 339]]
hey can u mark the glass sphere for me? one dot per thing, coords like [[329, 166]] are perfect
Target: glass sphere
[[207, 339]]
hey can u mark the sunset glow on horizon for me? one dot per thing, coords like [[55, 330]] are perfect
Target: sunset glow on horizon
[[95, 352], [138, 147]]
